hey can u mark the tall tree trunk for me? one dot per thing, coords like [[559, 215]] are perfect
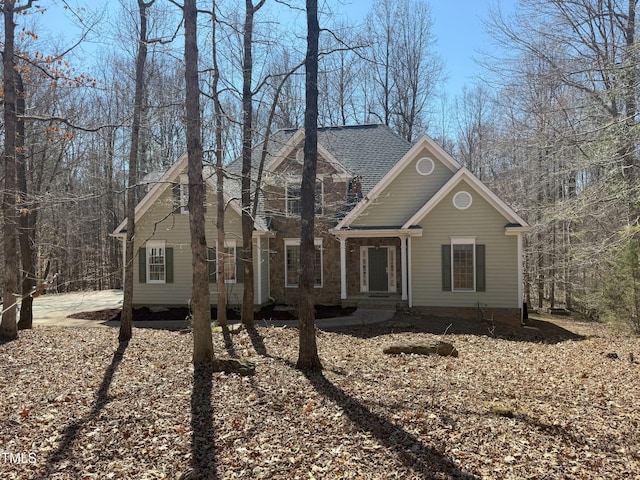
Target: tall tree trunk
[[28, 215], [113, 257], [222, 290], [200, 297], [126, 318], [8, 325], [247, 131], [630, 87], [308, 351]]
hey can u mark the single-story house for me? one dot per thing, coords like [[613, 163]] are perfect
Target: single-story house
[[397, 224]]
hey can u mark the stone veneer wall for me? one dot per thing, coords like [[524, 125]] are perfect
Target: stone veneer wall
[[353, 262], [335, 190]]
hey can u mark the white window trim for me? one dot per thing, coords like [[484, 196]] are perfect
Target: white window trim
[[321, 181], [425, 161], [230, 243], [463, 241], [364, 266], [292, 242], [148, 246], [296, 183], [184, 193], [458, 195]]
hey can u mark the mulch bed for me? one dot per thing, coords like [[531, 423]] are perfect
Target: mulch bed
[[270, 312]]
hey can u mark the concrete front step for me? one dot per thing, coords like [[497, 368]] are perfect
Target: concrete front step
[[376, 303]]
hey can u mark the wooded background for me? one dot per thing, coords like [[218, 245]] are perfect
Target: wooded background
[[551, 125]]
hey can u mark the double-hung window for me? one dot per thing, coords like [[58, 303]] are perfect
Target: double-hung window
[[232, 267], [181, 195], [156, 262], [293, 206], [292, 262], [463, 265]]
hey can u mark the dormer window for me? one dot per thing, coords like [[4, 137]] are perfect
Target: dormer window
[[293, 205], [181, 195]]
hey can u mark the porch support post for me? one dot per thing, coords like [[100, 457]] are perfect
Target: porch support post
[[403, 265], [124, 260], [409, 272], [343, 268]]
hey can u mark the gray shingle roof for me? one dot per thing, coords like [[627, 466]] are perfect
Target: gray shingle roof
[[366, 150]]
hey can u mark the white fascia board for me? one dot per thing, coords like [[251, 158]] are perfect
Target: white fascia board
[[152, 195], [161, 185], [513, 230], [424, 143], [284, 152], [293, 142], [479, 187], [376, 233]]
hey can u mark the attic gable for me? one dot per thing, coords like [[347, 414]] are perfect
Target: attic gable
[[289, 159], [368, 151], [172, 176], [465, 176], [410, 181]]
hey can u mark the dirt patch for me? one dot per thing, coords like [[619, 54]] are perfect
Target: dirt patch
[[539, 329], [270, 312]]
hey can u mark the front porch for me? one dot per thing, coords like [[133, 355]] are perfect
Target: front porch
[[375, 267]]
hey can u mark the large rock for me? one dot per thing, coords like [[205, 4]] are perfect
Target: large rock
[[437, 347], [232, 365]]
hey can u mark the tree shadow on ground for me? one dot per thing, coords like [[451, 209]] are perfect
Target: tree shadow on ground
[[203, 449], [257, 341], [228, 342], [65, 447], [536, 330], [423, 460]]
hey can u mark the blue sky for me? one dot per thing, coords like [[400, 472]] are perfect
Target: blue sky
[[457, 27], [459, 32]]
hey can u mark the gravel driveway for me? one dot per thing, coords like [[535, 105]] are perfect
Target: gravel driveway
[[53, 309]]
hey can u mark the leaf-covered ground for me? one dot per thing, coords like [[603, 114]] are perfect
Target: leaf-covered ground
[[75, 405]]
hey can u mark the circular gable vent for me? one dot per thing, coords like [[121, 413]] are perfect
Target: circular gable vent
[[462, 200], [425, 166], [300, 156]]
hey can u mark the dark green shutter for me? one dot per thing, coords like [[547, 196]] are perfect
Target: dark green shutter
[[239, 265], [211, 259], [142, 265], [480, 269], [446, 268], [169, 264]]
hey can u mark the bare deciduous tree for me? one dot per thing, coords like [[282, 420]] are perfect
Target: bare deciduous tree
[[308, 351], [200, 297], [126, 317]]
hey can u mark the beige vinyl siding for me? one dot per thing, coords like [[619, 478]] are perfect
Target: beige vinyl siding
[[484, 223], [160, 223], [406, 194]]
